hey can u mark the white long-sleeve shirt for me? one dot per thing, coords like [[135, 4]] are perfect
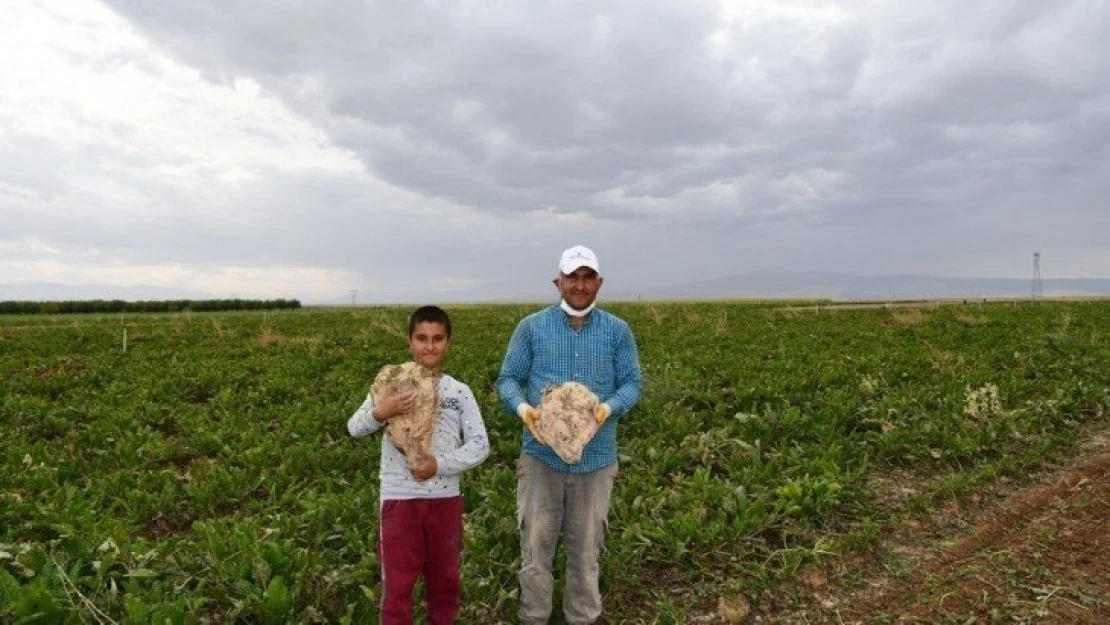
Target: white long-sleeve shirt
[[459, 443]]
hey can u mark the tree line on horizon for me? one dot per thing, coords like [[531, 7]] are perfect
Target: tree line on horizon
[[12, 307]]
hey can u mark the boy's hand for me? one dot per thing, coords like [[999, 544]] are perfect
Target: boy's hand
[[529, 415], [425, 467], [393, 404], [602, 412]]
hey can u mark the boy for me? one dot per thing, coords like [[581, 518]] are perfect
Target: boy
[[421, 508]]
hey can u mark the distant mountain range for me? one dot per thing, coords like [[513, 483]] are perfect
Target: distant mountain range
[[766, 284], [779, 284]]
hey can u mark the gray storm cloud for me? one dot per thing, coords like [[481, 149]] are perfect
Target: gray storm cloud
[[567, 104], [946, 136]]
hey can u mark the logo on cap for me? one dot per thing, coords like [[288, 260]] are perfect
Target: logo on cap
[[578, 256]]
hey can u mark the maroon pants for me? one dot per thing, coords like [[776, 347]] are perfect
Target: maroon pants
[[420, 536]]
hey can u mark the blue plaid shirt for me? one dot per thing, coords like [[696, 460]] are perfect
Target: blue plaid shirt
[[545, 350]]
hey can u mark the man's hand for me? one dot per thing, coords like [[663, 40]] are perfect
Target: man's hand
[[602, 412], [424, 467], [528, 415], [393, 404]]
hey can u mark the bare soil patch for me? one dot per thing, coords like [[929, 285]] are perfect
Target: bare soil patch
[[1036, 555]]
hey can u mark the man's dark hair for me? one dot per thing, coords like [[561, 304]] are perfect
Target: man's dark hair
[[431, 314]]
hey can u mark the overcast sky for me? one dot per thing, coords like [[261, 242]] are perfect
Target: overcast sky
[[420, 150]]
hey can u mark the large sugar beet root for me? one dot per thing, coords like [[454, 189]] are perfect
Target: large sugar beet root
[[411, 432], [566, 422]]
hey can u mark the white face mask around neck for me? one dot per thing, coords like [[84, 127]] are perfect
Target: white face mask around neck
[[574, 312]]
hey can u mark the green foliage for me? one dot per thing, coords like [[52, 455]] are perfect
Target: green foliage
[[277, 602], [206, 474]]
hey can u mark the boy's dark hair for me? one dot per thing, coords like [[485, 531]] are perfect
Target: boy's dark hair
[[431, 314]]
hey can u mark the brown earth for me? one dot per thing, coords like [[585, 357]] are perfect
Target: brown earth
[[1037, 554]]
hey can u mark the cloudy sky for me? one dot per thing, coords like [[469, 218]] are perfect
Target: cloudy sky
[[421, 151]]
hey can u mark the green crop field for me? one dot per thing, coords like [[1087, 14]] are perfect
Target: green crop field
[[205, 474]]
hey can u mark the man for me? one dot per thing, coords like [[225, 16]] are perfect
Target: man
[[570, 341]]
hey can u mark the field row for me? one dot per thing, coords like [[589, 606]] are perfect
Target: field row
[[205, 472]]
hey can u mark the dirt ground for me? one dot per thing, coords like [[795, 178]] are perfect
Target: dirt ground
[[1038, 554]]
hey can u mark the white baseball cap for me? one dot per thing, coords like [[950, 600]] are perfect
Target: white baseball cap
[[578, 256]]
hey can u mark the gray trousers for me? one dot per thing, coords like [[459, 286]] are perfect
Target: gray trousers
[[576, 505]]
